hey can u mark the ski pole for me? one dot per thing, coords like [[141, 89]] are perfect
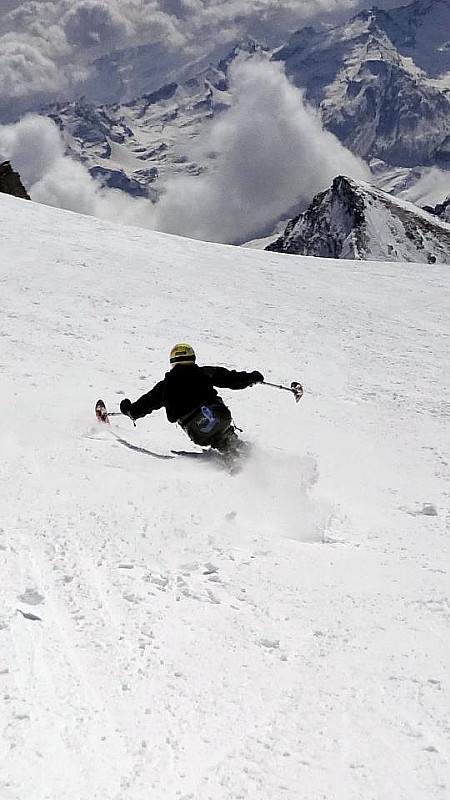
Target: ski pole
[[120, 414], [103, 414], [295, 388]]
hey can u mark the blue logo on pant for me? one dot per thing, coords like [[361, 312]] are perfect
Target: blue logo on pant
[[209, 421]]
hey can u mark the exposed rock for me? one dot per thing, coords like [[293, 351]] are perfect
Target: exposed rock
[[356, 221], [10, 182], [442, 210], [118, 179]]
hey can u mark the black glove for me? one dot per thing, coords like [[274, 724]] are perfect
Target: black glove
[[125, 406], [256, 377]]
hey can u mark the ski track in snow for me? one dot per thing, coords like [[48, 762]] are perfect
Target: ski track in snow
[[278, 633]]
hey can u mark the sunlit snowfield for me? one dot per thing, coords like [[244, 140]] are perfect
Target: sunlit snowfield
[[277, 634]]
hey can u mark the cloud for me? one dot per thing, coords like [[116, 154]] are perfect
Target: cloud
[[25, 70], [56, 42], [93, 22], [35, 148], [272, 153], [433, 187], [20, 17], [175, 8], [265, 19], [271, 150], [30, 74], [48, 50]]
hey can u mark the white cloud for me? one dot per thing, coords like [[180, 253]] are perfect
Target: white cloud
[[25, 70], [35, 148], [272, 149], [48, 49], [433, 187], [20, 15], [267, 19], [94, 22], [273, 152], [34, 144], [62, 38]]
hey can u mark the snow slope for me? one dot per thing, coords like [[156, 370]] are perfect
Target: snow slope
[[279, 634]]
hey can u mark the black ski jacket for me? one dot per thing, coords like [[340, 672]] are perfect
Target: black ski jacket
[[187, 387]]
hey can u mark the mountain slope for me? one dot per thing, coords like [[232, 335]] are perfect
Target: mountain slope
[[280, 633], [361, 75], [376, 100], [421, 31], [150, 137], [355, 220]]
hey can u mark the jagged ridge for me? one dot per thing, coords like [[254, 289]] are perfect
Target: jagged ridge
[[355, 221], [376, 100], [10, 182]]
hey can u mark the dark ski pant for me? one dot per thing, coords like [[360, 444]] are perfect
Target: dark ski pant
[[209, 426]]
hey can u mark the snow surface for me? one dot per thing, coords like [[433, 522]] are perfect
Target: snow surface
[[278, 634]]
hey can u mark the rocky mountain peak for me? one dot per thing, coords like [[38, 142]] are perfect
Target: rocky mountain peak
[[371, 93], [353, 220], [246, 47], [10, 182], [367, 78]]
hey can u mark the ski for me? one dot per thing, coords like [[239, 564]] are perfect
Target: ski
[[101, 412], [193, 453], [103, 415]]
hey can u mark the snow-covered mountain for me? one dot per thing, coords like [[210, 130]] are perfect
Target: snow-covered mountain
[[353, 220], [132, 72], [361, 75], [421, 31], [168, 630], [150, 137], [371, 93]]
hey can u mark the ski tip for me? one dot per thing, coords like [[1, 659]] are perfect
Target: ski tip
[[101, 412], [297, 390]]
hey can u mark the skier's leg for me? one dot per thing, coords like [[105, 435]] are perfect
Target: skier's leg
[[229, 443], [209, 425]]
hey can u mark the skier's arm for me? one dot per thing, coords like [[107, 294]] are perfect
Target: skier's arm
[[149, 402], [231, 379]]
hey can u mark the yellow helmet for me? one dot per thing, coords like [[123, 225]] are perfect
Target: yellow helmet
[[182, 354]]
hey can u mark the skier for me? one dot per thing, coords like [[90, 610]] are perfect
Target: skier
[[187, 393]]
